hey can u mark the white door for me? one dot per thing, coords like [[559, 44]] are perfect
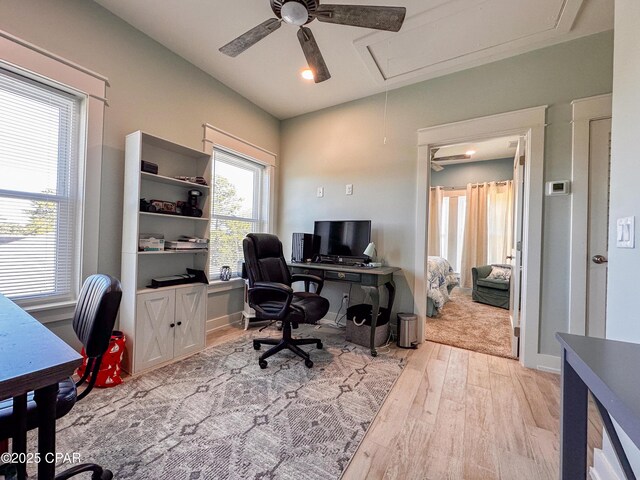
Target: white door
[[190, 320], [516, 249], [154, 332], [597, 244]]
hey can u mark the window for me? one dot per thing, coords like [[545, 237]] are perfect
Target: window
[[39, 141], [237, 208], [452, 222]]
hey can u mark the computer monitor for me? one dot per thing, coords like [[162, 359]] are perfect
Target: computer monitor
[[343, 238]]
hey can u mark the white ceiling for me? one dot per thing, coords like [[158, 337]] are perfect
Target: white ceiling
[[438, 37], [492, 149]]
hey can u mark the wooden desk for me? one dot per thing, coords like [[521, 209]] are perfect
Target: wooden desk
[[607, 369], [32, 358], [371, 280]]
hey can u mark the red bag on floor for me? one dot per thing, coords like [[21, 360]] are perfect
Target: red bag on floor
[[109, 373]]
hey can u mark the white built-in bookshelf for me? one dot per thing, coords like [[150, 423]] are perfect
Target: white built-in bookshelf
[[166, 323]]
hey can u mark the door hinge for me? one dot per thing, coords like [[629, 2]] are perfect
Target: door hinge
[[519, 246], [516, 332], [522, 157]]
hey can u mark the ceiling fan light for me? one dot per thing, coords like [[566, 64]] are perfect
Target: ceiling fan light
[[307, 74], [294, 13]]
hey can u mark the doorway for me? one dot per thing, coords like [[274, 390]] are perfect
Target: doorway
[[528, 123], [475, 225]]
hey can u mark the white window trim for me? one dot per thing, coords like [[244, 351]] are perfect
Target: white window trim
[[31, 61], [217, 138]]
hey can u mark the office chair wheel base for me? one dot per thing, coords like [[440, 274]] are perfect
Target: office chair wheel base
[[319, 346], [308, 363], [256, 345], [263, 364]]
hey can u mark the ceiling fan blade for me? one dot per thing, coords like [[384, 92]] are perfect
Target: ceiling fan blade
[[380, 18], [250, 38], [313, 55]]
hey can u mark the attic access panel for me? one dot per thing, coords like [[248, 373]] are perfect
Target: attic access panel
[[464, 33]]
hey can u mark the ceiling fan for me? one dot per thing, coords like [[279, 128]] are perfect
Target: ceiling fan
[[301, 12]]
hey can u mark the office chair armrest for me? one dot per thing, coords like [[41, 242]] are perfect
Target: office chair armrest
[[307, 279], [97, 472], [270, 300]]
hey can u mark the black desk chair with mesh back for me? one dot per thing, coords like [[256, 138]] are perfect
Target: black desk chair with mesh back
[[271, 296], [93, 322]]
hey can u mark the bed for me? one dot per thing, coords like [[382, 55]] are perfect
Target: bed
[[440, 281]]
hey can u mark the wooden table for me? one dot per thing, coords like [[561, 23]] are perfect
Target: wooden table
[[371, 280], [607, 369], [32, 358]]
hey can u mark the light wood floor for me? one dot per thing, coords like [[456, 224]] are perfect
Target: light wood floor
[[457, 414]]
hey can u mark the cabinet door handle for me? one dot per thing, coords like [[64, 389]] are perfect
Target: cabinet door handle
[[179, 323], [172, 325]]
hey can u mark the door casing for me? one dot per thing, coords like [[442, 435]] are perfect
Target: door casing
[[585, 110], [529, 122]]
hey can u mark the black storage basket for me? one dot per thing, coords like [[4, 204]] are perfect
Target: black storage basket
[[360, 334]]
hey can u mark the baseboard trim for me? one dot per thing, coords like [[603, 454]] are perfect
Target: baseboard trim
[[216, 323], [546, 363], [602, 469]]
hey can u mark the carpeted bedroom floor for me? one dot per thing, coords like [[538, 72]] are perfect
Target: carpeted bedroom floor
[[470, 325]]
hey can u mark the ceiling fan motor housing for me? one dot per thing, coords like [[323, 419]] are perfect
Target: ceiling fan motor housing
[[310, 5]]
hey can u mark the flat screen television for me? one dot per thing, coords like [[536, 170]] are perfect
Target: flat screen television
[[344, 239]]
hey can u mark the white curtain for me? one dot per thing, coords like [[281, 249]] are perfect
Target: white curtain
[[499, 221], [435, 220], [474, 251]]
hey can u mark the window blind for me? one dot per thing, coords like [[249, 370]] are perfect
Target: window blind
[[235, 210], [39, 141]]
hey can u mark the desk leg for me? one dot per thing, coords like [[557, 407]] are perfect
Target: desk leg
[[374, 293], [391, 290], [19, 444], [573, 424], [45, 399]]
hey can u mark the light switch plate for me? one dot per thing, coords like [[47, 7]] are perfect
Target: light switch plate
[[320, 192], [625, 232], [349, 189]]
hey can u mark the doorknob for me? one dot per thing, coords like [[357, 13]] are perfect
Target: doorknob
[[510, 257], [599, 259]]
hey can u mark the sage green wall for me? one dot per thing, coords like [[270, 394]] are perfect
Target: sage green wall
[[344, 144], [473, 172], [151, 89]]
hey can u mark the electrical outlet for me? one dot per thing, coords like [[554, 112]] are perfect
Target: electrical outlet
[[320, 192], [349, 189]]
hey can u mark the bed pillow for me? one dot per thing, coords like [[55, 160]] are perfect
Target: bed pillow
[[500, 273]]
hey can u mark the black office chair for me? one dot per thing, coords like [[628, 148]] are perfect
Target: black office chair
[[93, 321], [271, 295]]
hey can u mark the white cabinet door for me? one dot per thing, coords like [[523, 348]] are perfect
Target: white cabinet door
[[190, 320], [155, 313]]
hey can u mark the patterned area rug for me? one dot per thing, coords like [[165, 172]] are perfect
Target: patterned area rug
[[217, 415], [470, 325]]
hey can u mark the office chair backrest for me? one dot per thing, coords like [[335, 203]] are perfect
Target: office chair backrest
[[264, 259], [96, 313]]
